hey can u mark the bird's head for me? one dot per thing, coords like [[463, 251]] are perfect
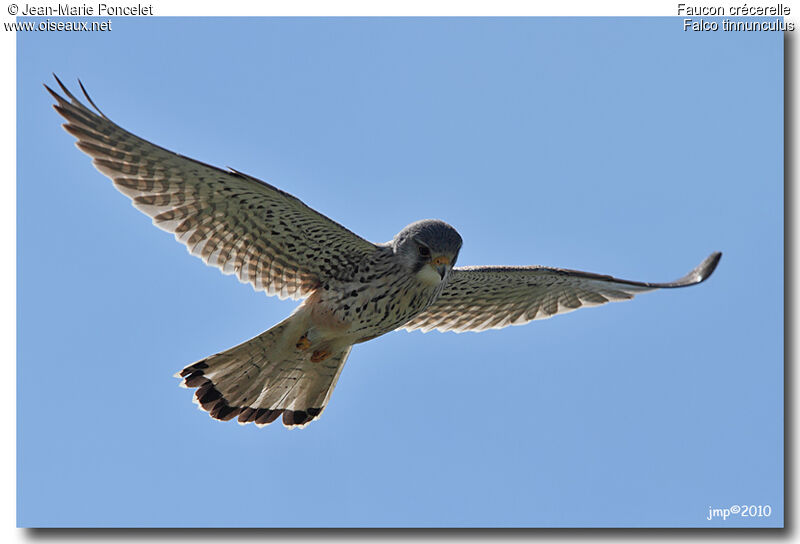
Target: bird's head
[[428, 248]]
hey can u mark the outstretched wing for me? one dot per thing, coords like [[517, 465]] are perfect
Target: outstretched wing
[[241, 225], [492, 297]]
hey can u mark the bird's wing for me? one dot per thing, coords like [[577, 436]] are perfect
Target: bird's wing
[[488, 297], [241, 225]]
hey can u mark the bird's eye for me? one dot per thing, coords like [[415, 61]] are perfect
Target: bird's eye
[[424, 251]]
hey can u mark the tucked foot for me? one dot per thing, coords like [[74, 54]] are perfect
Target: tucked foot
[[304, 343], [320, 355]]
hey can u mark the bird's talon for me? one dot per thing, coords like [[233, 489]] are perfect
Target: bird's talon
[[320, 355], [304, 343]]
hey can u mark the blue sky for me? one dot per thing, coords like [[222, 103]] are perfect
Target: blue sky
[[619, 146]]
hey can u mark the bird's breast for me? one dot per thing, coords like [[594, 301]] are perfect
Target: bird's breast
[[374, 308]]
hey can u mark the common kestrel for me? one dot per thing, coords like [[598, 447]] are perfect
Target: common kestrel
[[354, 290]]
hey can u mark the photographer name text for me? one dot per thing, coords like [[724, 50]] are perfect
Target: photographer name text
[[86, 10]]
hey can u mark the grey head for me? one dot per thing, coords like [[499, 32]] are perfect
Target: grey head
[[428, 246]]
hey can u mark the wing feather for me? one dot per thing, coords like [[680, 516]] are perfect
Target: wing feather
[[241, 225], [493, 297]]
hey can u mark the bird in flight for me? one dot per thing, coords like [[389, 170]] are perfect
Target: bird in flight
[[353, 290]]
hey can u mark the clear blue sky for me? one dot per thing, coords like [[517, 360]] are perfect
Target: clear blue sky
[[618, 146]]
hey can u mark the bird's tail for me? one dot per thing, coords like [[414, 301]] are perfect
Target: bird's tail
[[265, 377]]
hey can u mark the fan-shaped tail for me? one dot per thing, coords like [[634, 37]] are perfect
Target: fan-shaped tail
[[264, 378]]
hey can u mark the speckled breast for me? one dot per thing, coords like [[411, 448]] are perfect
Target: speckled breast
[[379, 298]]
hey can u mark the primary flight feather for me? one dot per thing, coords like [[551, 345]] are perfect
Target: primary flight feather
[[354, 290]]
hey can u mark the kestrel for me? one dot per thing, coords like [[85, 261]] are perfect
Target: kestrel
[[354, 290]]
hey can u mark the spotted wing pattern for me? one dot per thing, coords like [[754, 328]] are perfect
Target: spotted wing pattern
[[243, 226], [489, 297]]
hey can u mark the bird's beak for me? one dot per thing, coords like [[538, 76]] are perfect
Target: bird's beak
[[441, 264]]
